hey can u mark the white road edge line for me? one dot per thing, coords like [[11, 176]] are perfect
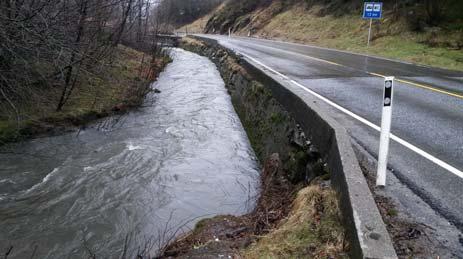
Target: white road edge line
[[404, 143]]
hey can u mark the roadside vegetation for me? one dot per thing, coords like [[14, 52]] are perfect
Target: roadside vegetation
[[290, 220], [182, 12], [427, 32], [312, 229]]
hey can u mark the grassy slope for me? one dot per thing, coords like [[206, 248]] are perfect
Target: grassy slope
[[96, 95], [311, 230], [350, 33], [391, 37]]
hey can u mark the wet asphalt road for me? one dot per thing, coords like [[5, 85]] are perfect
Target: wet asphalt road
[[431, 120]]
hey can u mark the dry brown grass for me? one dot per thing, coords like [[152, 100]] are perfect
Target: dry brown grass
[[311, 230], [191, 41], [288, 222]]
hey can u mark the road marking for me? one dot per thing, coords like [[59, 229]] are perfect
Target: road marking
[[374, 74], [307, 56], [421, 86], [404, 143]]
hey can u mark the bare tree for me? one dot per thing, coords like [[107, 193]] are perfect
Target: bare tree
[[49, 45]]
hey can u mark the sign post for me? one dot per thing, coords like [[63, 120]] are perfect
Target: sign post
[[372, 10], [385, 131], [369, 33]]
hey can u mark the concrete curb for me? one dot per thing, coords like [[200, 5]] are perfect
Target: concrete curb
[[366, 230]]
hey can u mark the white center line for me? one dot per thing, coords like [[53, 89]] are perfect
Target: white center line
[[404, 143]]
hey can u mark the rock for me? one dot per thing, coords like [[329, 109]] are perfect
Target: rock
[[156, 91], [313, 170], [298, 137]]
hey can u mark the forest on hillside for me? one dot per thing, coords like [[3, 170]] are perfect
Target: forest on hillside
[[181, 12], [418, 13]]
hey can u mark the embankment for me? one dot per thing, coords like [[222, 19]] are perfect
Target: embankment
[[278, 117]]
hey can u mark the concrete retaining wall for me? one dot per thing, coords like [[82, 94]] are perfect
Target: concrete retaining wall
[[366, 230]]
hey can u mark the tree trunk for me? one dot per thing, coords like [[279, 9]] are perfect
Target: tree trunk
[[139, 29], [434, 11], [67, 90], [121, 28]]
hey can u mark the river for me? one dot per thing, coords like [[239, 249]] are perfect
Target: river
[[136, 179]]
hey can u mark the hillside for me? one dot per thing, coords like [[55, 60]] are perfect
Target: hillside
[[428, 33]]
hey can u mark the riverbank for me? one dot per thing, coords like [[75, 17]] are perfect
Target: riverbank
[[289, 221], [126, 184], [121, 84], [297, 212]]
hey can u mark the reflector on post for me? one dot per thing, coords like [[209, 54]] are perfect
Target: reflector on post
[[385, 131]]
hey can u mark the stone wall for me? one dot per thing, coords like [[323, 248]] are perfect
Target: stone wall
[[269, 107], [270, 128]]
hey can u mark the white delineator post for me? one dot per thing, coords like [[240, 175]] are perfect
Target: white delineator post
[[229, 32], [385, 131]]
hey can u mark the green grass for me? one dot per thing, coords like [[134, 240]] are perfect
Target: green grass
[[391, 38], [8, 129]]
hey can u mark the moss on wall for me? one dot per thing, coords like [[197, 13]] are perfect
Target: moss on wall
[[270, 128]]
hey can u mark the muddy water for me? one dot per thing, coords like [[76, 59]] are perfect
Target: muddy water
[[134, 179]]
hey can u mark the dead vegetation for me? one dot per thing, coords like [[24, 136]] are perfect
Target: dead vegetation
[[311, 229], [289, 221], [410, 239]]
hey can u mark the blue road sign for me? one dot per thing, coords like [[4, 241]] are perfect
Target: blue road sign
[[373, 10]]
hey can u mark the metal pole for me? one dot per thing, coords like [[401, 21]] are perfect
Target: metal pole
[[369, 33], [385, 131]]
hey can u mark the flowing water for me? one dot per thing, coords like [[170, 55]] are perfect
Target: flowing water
[[134, 179]]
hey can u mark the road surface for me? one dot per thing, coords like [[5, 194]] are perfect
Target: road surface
[[426, 153]]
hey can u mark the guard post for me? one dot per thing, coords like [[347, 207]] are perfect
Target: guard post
[[385, 131]]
